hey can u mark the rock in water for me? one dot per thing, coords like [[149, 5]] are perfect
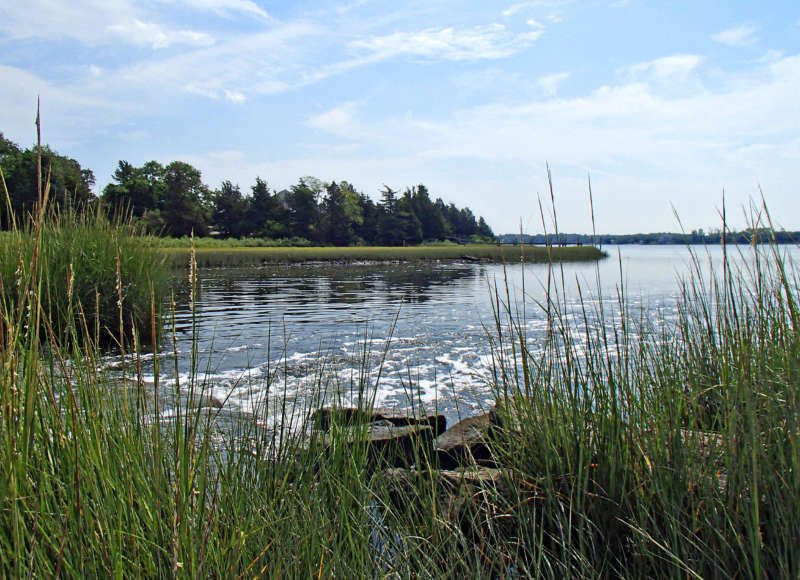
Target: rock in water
[[465, 443], [346, 416]]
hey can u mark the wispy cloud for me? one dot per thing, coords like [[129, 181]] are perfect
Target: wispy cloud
[[226, 7], [93, 22], [139, 33], [666, 70], [549, 84], [263, 63], [737, 36], [336, 120], [531, 4], [482, 42], [235, 96]]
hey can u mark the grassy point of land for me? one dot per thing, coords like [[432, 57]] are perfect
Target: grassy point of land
[[242, 256]]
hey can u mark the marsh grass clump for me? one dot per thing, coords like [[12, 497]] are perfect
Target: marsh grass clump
[[95, 278], [666, 451]]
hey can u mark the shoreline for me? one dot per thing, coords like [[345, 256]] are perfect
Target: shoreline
[[469, 253]]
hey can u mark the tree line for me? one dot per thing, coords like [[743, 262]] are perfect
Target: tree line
[[698, 236], [172, 200]]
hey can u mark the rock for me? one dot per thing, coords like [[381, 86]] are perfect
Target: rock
[[207, 400], [346, 416], [388, 444], [465, 443], [474, 498]]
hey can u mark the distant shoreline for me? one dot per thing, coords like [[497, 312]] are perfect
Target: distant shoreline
[[492, 253], [697, 237]]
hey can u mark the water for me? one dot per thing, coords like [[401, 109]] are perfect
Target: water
[[415, 330]]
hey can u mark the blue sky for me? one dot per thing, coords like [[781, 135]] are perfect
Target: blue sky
[[664, 104]]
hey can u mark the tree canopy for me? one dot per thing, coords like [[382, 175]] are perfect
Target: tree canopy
[[70, 184], [173, 200]]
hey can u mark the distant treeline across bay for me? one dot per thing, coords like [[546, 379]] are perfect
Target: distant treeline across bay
[[172, 200], [694, 237]]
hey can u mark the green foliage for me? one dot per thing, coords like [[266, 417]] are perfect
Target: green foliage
[[184, 206], [303, 210], [70, 184], [230, 211], [137, 190]]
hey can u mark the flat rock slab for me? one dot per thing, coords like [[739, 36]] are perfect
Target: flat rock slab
[[345, 416], [465, 443], [452, 479], [388, 445], [468, 497]]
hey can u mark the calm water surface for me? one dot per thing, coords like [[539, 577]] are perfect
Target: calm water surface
[[411, 329]]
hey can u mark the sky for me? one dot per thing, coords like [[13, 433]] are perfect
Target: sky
[[662, 105]]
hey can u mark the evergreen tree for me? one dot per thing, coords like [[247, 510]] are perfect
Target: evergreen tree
[[367, 231], [408, 224], [388, 227], [267, 216], [337, 225], [303, 211], [428, 213], [230, 211], [484, 231]]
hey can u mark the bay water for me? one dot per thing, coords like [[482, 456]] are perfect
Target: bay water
[[403, 333]]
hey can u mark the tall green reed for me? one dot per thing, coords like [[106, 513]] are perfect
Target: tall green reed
[[663, 450]]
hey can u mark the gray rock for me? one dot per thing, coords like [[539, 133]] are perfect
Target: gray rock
[[466, 443], [388, 445], [323, 418]]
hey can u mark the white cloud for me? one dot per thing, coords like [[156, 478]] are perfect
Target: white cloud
[[666, 70], [549, 84], [225, 7], [235, 96], [534, 23], [482, 42], [93, 22], [771, 55], [263, 63], [336, 120], [141, 33], [530, 4], [736, 36]]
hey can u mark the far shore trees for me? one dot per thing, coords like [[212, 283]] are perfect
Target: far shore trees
[[70, 184], [173, 200]]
